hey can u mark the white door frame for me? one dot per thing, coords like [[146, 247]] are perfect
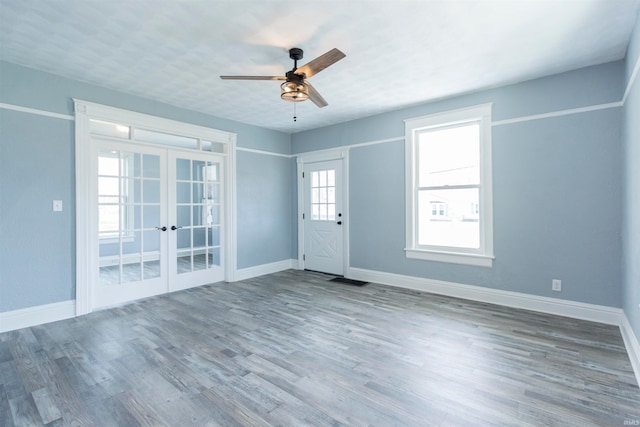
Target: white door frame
[[86, 264], [321, 156]]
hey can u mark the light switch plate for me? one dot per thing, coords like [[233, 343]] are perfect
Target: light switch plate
[[57, 205]]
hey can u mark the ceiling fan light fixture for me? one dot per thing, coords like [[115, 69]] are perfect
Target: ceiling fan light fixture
[[294, 92]]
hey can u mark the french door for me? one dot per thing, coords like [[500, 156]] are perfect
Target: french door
[[159, 221]]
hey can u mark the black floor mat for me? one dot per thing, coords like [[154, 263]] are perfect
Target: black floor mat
[[348, 281]]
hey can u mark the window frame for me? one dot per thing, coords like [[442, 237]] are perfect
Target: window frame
[[483, 256]]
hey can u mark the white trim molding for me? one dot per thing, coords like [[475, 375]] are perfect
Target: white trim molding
[[36, 111], [261, 270], [632, 344], [576, 310], [342, 154], [32, 316], [559, 307]]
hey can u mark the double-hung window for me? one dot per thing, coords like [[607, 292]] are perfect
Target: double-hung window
[[448, 183]]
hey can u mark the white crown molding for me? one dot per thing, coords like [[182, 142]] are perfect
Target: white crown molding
[[32, 316]]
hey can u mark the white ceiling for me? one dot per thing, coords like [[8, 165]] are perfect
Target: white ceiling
[[399, 53]]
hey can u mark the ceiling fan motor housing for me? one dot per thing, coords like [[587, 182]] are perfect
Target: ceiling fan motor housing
[[295, 53]]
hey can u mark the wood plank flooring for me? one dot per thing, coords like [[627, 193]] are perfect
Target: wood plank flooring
[[293, 349]]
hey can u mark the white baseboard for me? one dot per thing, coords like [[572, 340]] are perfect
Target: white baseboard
[[261, 270], [632, 344], [576, 310], [26, 317]]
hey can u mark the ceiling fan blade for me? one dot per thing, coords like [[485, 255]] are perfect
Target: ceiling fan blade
[[253, 77], [321, 62], [315, 96]]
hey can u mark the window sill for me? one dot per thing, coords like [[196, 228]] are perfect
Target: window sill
[[450, 257]]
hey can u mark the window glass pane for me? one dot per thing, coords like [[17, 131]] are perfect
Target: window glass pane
[[315, 212], [323, 178], [109, 187], [198, 170], [331, 178], [183, 192], [323, 195], [151, 190], [131, 243], [214, 147], [331, 213], [151, 166], [108, 163], [314, 179], [315, 195], [151, 216], [165, 139], [323, 212], [116, 130], [184, 216], [214, 236], [198, 192], [449, 156], [108, 218], [183, 169], [448, 218], [184, 238], [199, 236], [151, 241]]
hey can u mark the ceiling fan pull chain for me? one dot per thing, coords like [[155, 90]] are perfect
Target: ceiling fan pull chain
[[295, 119]]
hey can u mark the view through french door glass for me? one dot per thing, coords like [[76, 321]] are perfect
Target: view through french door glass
[[159, 216], [198, 217], [128, 214]]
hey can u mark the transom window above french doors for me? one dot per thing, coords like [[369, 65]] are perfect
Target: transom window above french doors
[[130, 191], [129, 132]]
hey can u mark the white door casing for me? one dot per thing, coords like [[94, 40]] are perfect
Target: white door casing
[[87, 241]]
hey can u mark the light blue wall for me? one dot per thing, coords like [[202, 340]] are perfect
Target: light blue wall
[[556, 188], [263, 209], [631, 190], [37, 246]]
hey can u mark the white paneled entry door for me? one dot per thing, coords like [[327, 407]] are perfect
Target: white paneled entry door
[[323, 217]]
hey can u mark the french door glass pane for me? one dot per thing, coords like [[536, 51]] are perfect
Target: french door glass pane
[[198, 214], [128, 212]]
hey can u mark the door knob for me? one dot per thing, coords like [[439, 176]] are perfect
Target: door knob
[[163, 228], [173, 227]]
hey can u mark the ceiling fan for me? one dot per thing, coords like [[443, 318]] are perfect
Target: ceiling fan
[[296, 87]]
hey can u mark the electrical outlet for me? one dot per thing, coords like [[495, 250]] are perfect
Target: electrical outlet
[[556, 285]]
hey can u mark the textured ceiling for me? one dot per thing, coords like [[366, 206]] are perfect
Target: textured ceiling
[[399, 53]]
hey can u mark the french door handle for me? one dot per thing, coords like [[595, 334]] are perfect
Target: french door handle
[[163, 228], [173, 227], [339, 222]]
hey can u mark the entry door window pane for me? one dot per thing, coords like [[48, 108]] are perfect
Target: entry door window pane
[[323, 195]]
